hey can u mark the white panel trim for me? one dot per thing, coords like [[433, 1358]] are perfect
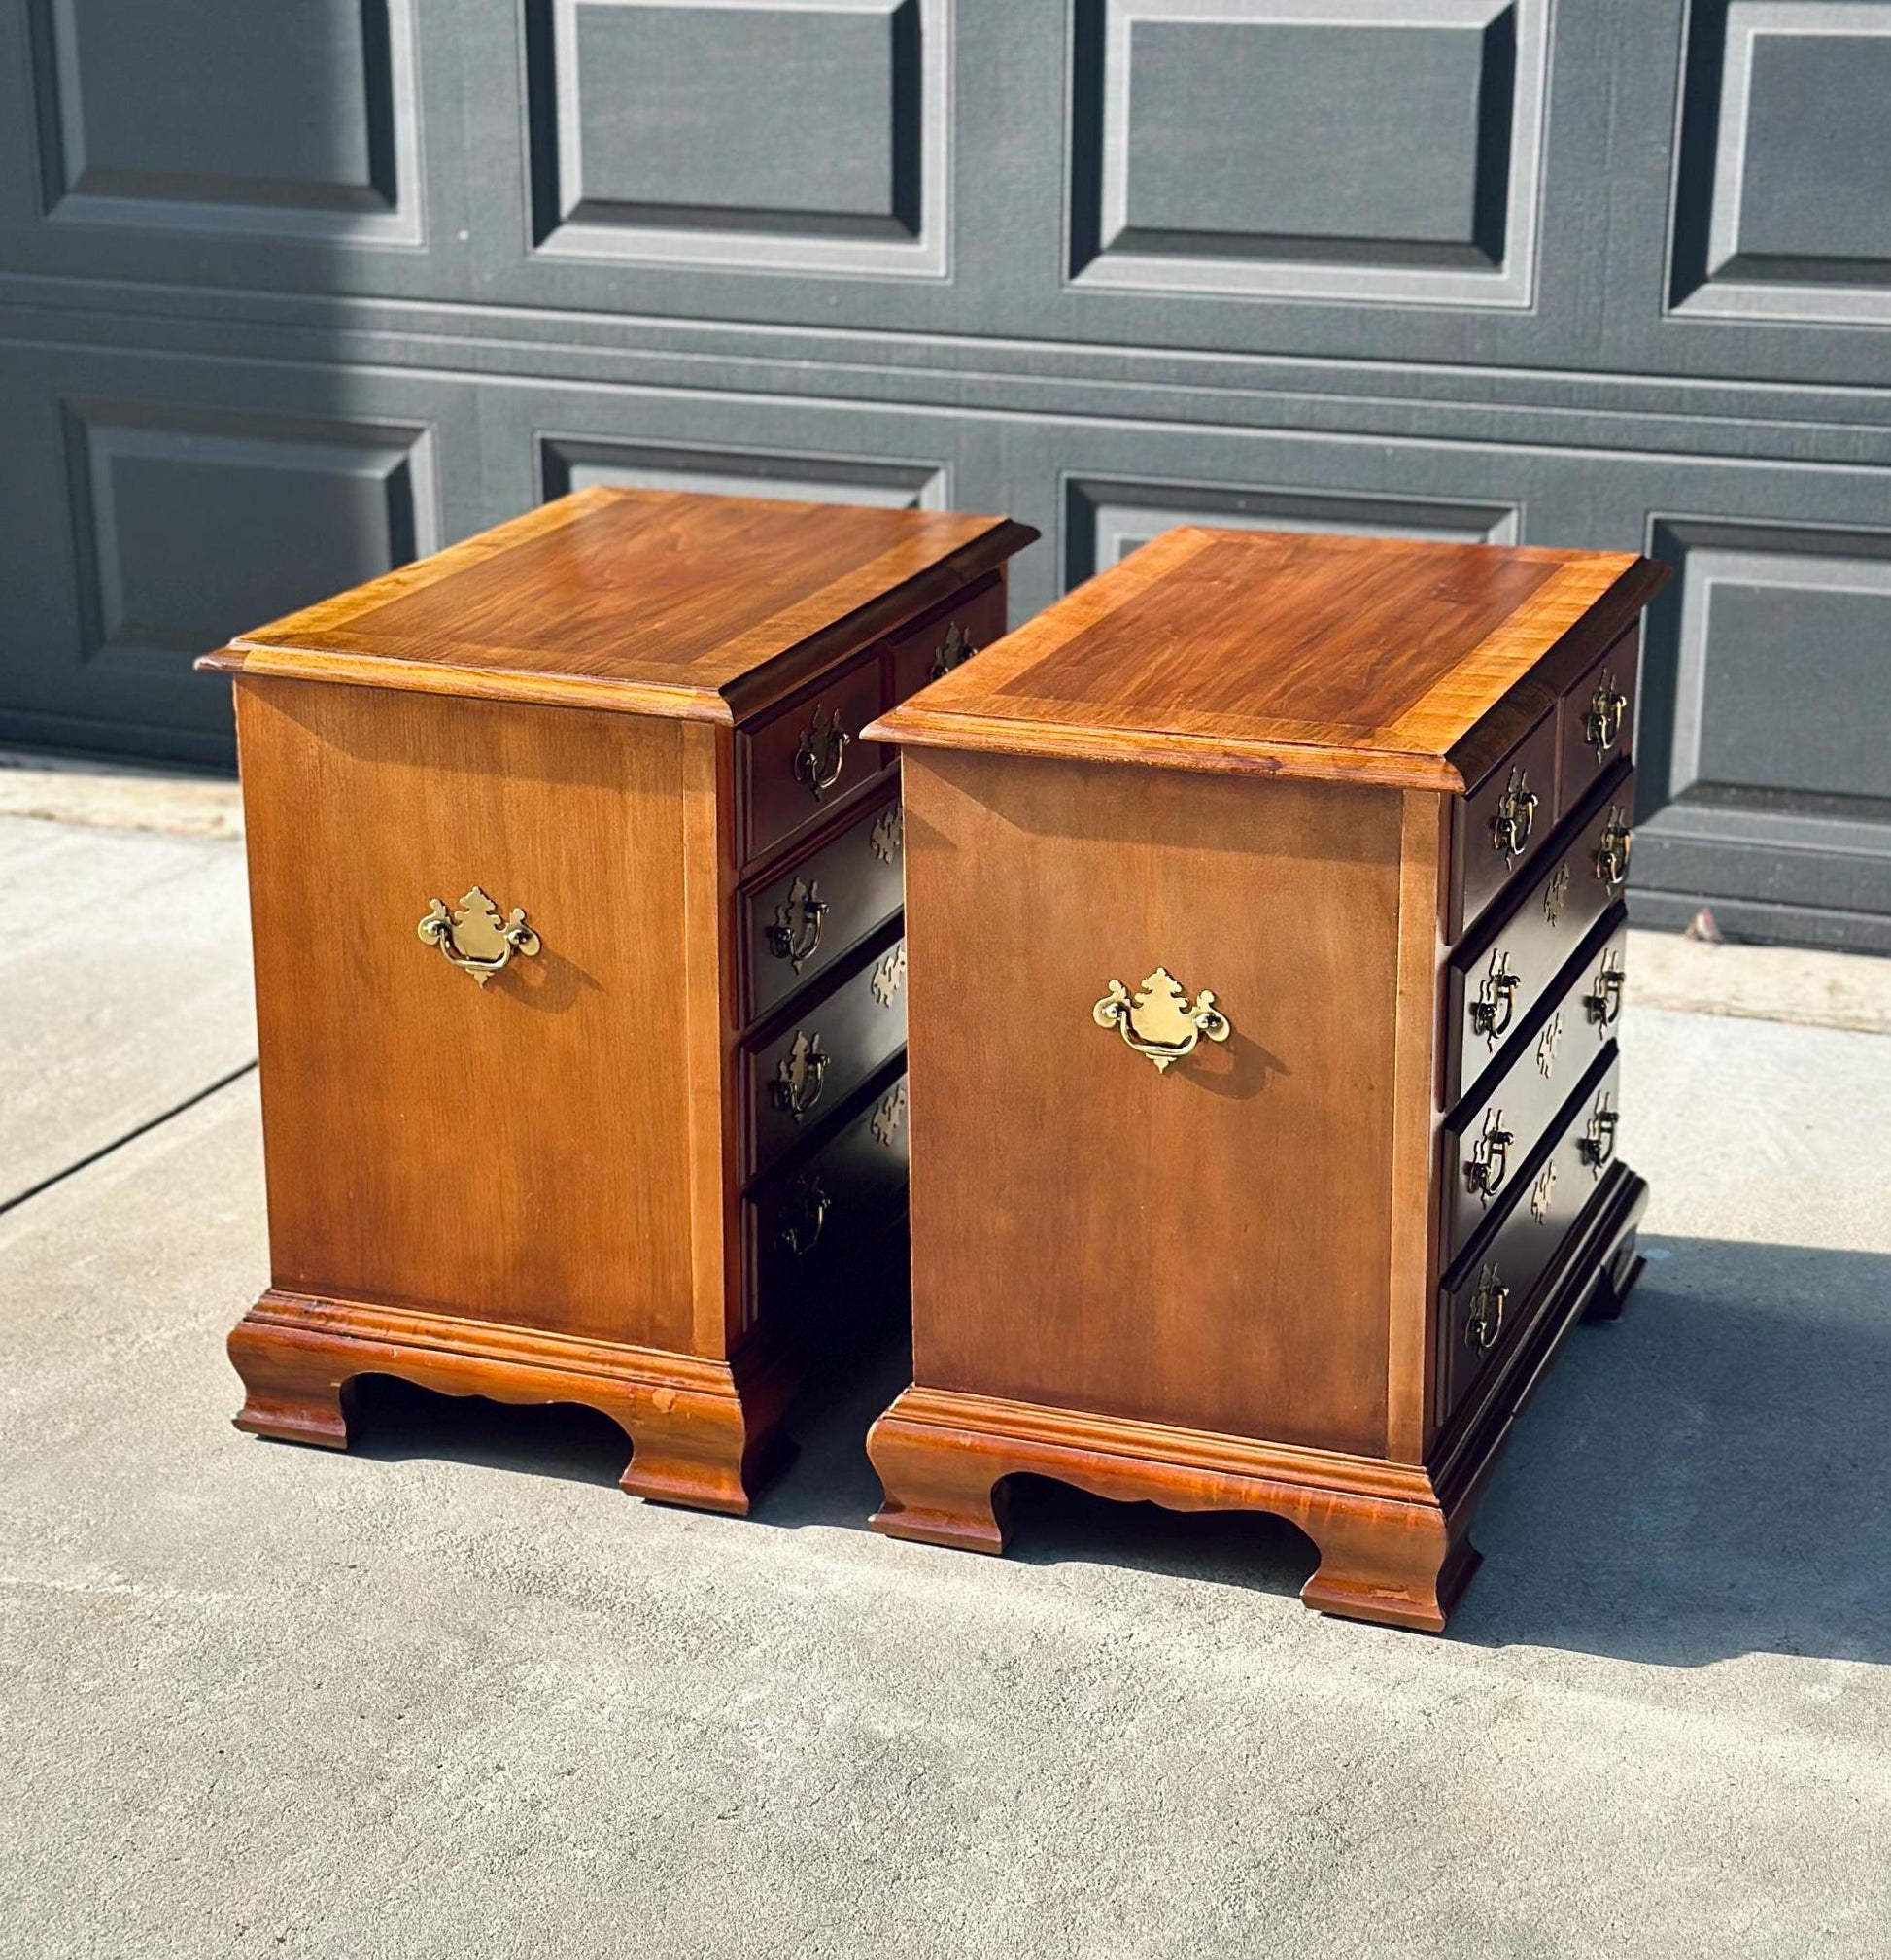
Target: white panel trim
[[405, 226], [1777, 301], [926, 257], [1510, 285]]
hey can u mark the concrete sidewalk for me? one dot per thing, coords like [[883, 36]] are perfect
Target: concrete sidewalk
[[454, 1695]]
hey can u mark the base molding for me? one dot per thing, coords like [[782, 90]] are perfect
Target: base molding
[[1387, 1549], [1394, 1539], [702, 1433]]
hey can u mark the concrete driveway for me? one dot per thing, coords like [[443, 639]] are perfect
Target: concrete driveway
[[454, 1695]]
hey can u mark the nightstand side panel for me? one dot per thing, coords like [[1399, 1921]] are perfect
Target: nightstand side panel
[[1207, 1245], [515, 1149]]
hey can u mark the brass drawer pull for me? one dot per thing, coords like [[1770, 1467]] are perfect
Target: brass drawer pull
[[1489, 1162], [1597, 1144], [1606, 706], [1497, 989], [822, 751], [1612, 852], [474, 939], [889, 975], [1485, 1322], [889, 833], [799, 1076], [1542, 1193], [889, 1114], [1515, 816], [1603, 1002], [1556, 895], [795, 932], [1160, 1021], [804, 1217], [1547, 1044], [954, 650]]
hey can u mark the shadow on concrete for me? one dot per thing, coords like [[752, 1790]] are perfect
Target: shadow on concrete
[[1709, 1476], [394, 1420]]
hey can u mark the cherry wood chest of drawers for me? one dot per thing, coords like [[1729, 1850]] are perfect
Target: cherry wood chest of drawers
[[582, 990], [1265, 923]]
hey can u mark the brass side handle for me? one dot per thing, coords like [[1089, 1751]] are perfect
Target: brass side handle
[[1497, 998], [794, 934], [799, 1076], [1485, 1322], [822, 751], [804, 1217], [1613, 848], [1160, 1021], [954, 650], [1603, 725], [1597, 1144], [475, 938], [1515, 816], [1602, 1002], [1489, 1162]]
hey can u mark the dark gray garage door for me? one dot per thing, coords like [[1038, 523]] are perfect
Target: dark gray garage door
[[290, 289]]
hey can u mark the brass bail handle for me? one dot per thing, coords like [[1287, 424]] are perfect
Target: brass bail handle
[[1497, 998], [1606, 707], [1516, 815], [1597, 1144], [804, 1217], [1613, 849], [822, 751], [1603, 1003], [1486, 1319], [799, 1076], [795, 932], [1489, 1163], [1160, 1021], [954, 650], [475, 938]]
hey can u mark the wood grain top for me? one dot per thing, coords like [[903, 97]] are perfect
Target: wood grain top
[[653, 600], [1389, 660]]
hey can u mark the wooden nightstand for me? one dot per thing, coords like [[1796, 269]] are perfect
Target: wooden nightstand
[[1263, 904], [575, 891]]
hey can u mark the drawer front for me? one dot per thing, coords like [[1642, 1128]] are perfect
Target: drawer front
[[1496, 980], [1482, 1308], [1597, 720], [797, 926], [808, 1227], [1487, 1141], [807, 1070], [1504, 823], [804, 758], [947, 636]]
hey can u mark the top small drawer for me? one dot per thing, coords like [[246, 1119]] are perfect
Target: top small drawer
[[1501, 825], [806, 756], [947, 636], [1596, 720]]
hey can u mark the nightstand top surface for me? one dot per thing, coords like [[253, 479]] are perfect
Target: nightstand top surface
[[1387, 660], [658, 600]]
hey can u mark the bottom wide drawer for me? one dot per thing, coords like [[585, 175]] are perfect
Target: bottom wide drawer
[[807, 1226], [1484, 1307]]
